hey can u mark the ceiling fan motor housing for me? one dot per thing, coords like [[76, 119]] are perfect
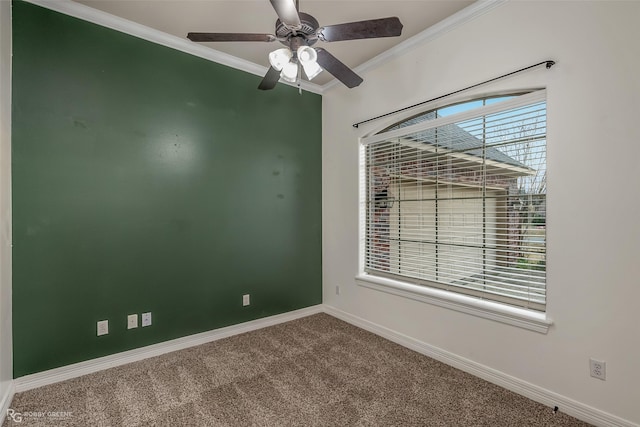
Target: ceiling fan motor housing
[[306, 35]]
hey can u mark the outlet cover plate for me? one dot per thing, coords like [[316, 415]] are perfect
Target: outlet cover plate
[[103, 327], [598, 369], [132, 321], [146, 319]]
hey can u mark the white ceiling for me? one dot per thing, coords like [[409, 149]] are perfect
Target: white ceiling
[[178, 17]]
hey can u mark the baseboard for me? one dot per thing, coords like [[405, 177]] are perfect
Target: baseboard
[[533, 392], [546, 397], [6, 398], [63, 373]]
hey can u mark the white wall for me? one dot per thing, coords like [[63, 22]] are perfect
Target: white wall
[[6, 367], [593, 193]]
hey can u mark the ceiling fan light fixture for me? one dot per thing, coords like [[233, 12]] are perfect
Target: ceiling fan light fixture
[[290, 72], [308, 58], [299, 31], [280, 58], [312, 69], [307, 54]]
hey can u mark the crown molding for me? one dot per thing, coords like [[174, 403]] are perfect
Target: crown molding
[[454, 21], [98, 17]]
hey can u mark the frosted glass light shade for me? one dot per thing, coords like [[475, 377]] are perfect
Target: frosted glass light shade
[[289, 72], [307, 54], [308, 59], [279, 58], [312, 69]]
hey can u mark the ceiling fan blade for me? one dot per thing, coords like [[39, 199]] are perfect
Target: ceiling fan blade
[[374, 28], [288, 13], [230, 37], [338, 69], [270, 79]]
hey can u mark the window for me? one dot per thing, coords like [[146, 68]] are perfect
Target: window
[[455, 199]]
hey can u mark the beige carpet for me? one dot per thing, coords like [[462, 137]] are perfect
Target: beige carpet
[[315, 371]]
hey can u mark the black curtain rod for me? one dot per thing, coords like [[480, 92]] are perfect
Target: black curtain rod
[[548, 64]]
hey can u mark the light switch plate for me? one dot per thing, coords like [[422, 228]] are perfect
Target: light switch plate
[[132, 321], [146, 319], [103, 327]]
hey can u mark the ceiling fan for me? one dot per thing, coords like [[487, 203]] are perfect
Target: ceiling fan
[[299, 32]]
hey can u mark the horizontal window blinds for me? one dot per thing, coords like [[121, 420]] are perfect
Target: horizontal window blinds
[[459, 202]]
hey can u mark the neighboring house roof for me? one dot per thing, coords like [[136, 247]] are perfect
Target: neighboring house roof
[[454, 138]]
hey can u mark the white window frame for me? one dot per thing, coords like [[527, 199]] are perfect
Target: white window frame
[[521, 317]]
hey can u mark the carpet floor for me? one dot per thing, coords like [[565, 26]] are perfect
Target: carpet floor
[[314, 371]]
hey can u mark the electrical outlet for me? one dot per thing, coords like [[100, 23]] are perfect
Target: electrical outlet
[[146, 319], [132, 321], [598, 369], [103, 327], [337, 289], [246, 300]]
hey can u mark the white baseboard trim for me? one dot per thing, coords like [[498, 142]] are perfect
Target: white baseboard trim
[[63, 373], [533, 392], [6, 398], [568, 406]]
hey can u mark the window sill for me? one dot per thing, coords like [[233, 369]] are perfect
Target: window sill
[[520, 317]]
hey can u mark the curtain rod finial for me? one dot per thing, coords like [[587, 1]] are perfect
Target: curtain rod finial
[[550, 64]]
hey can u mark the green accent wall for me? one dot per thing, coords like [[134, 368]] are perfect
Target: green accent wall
[[147, 179]]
